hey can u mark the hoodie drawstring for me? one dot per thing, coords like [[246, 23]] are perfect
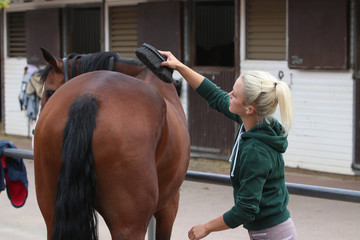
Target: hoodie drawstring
[[236, 149]]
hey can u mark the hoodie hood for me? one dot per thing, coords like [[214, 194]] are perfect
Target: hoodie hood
[[270, 133]]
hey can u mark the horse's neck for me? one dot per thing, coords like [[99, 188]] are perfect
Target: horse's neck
[[72, 69], [135, 69], [170, 95], [128, 68], [166, 90]]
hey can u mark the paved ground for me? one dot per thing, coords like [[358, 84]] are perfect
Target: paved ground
[[314, 218]]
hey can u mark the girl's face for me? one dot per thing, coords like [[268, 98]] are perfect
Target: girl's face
[[237, 98]]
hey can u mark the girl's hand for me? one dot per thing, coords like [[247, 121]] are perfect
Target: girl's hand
[[171, 60], [198, 232], [192, 77]]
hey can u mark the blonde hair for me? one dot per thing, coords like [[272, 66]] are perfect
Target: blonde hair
[[265, 92]]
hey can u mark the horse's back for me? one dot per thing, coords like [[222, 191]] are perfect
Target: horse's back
[[129, 110]]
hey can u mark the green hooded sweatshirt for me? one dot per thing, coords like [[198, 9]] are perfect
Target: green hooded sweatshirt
[[258, 180]]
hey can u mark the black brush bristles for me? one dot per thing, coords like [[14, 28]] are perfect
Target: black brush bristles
[[151, 58]]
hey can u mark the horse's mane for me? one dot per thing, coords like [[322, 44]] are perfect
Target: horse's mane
[[93, 62], [101, 61], [97, 61]]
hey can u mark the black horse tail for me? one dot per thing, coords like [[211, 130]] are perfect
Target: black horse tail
[[75, 216]]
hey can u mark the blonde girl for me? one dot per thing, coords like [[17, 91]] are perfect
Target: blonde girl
[[257, 165]]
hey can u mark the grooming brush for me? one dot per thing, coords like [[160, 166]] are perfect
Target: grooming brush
[[152, 58]]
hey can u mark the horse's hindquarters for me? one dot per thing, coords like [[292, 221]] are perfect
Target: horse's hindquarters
[[128, 127]]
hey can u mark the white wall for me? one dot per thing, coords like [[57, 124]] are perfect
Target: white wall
[[322, 135], [321, 138], [15, 120]]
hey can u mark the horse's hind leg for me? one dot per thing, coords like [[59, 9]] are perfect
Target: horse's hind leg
[[129, 220], [127, 196], [165, 218], [127, 209]]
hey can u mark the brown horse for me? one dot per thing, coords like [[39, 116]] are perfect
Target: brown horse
[[112, 142]]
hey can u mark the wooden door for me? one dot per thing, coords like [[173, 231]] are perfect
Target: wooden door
[[214, 52]]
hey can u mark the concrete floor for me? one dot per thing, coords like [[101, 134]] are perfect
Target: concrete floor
[[314, 218]]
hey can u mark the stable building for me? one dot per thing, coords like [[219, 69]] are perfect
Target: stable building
[[314, 46]]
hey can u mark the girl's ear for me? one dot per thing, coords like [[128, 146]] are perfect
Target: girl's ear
[[250, 110]]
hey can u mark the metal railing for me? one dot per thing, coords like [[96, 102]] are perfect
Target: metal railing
[[293, 188], [18, 153]]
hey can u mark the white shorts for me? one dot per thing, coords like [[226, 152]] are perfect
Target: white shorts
[[282, 231]]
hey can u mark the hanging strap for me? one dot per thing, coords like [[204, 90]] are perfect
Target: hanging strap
[[65, 69]]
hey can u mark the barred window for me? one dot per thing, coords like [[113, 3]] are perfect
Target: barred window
[[16, 34], [214, 33], [123, 30], [266, 29]]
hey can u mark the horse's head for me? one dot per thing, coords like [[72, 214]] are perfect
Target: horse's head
[[58, 71], [52, 77]]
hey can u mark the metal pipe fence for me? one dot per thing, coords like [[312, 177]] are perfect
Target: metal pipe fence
[[293, 188], [18, 153]]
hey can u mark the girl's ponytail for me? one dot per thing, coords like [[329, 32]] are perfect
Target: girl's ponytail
[[284, 98]]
